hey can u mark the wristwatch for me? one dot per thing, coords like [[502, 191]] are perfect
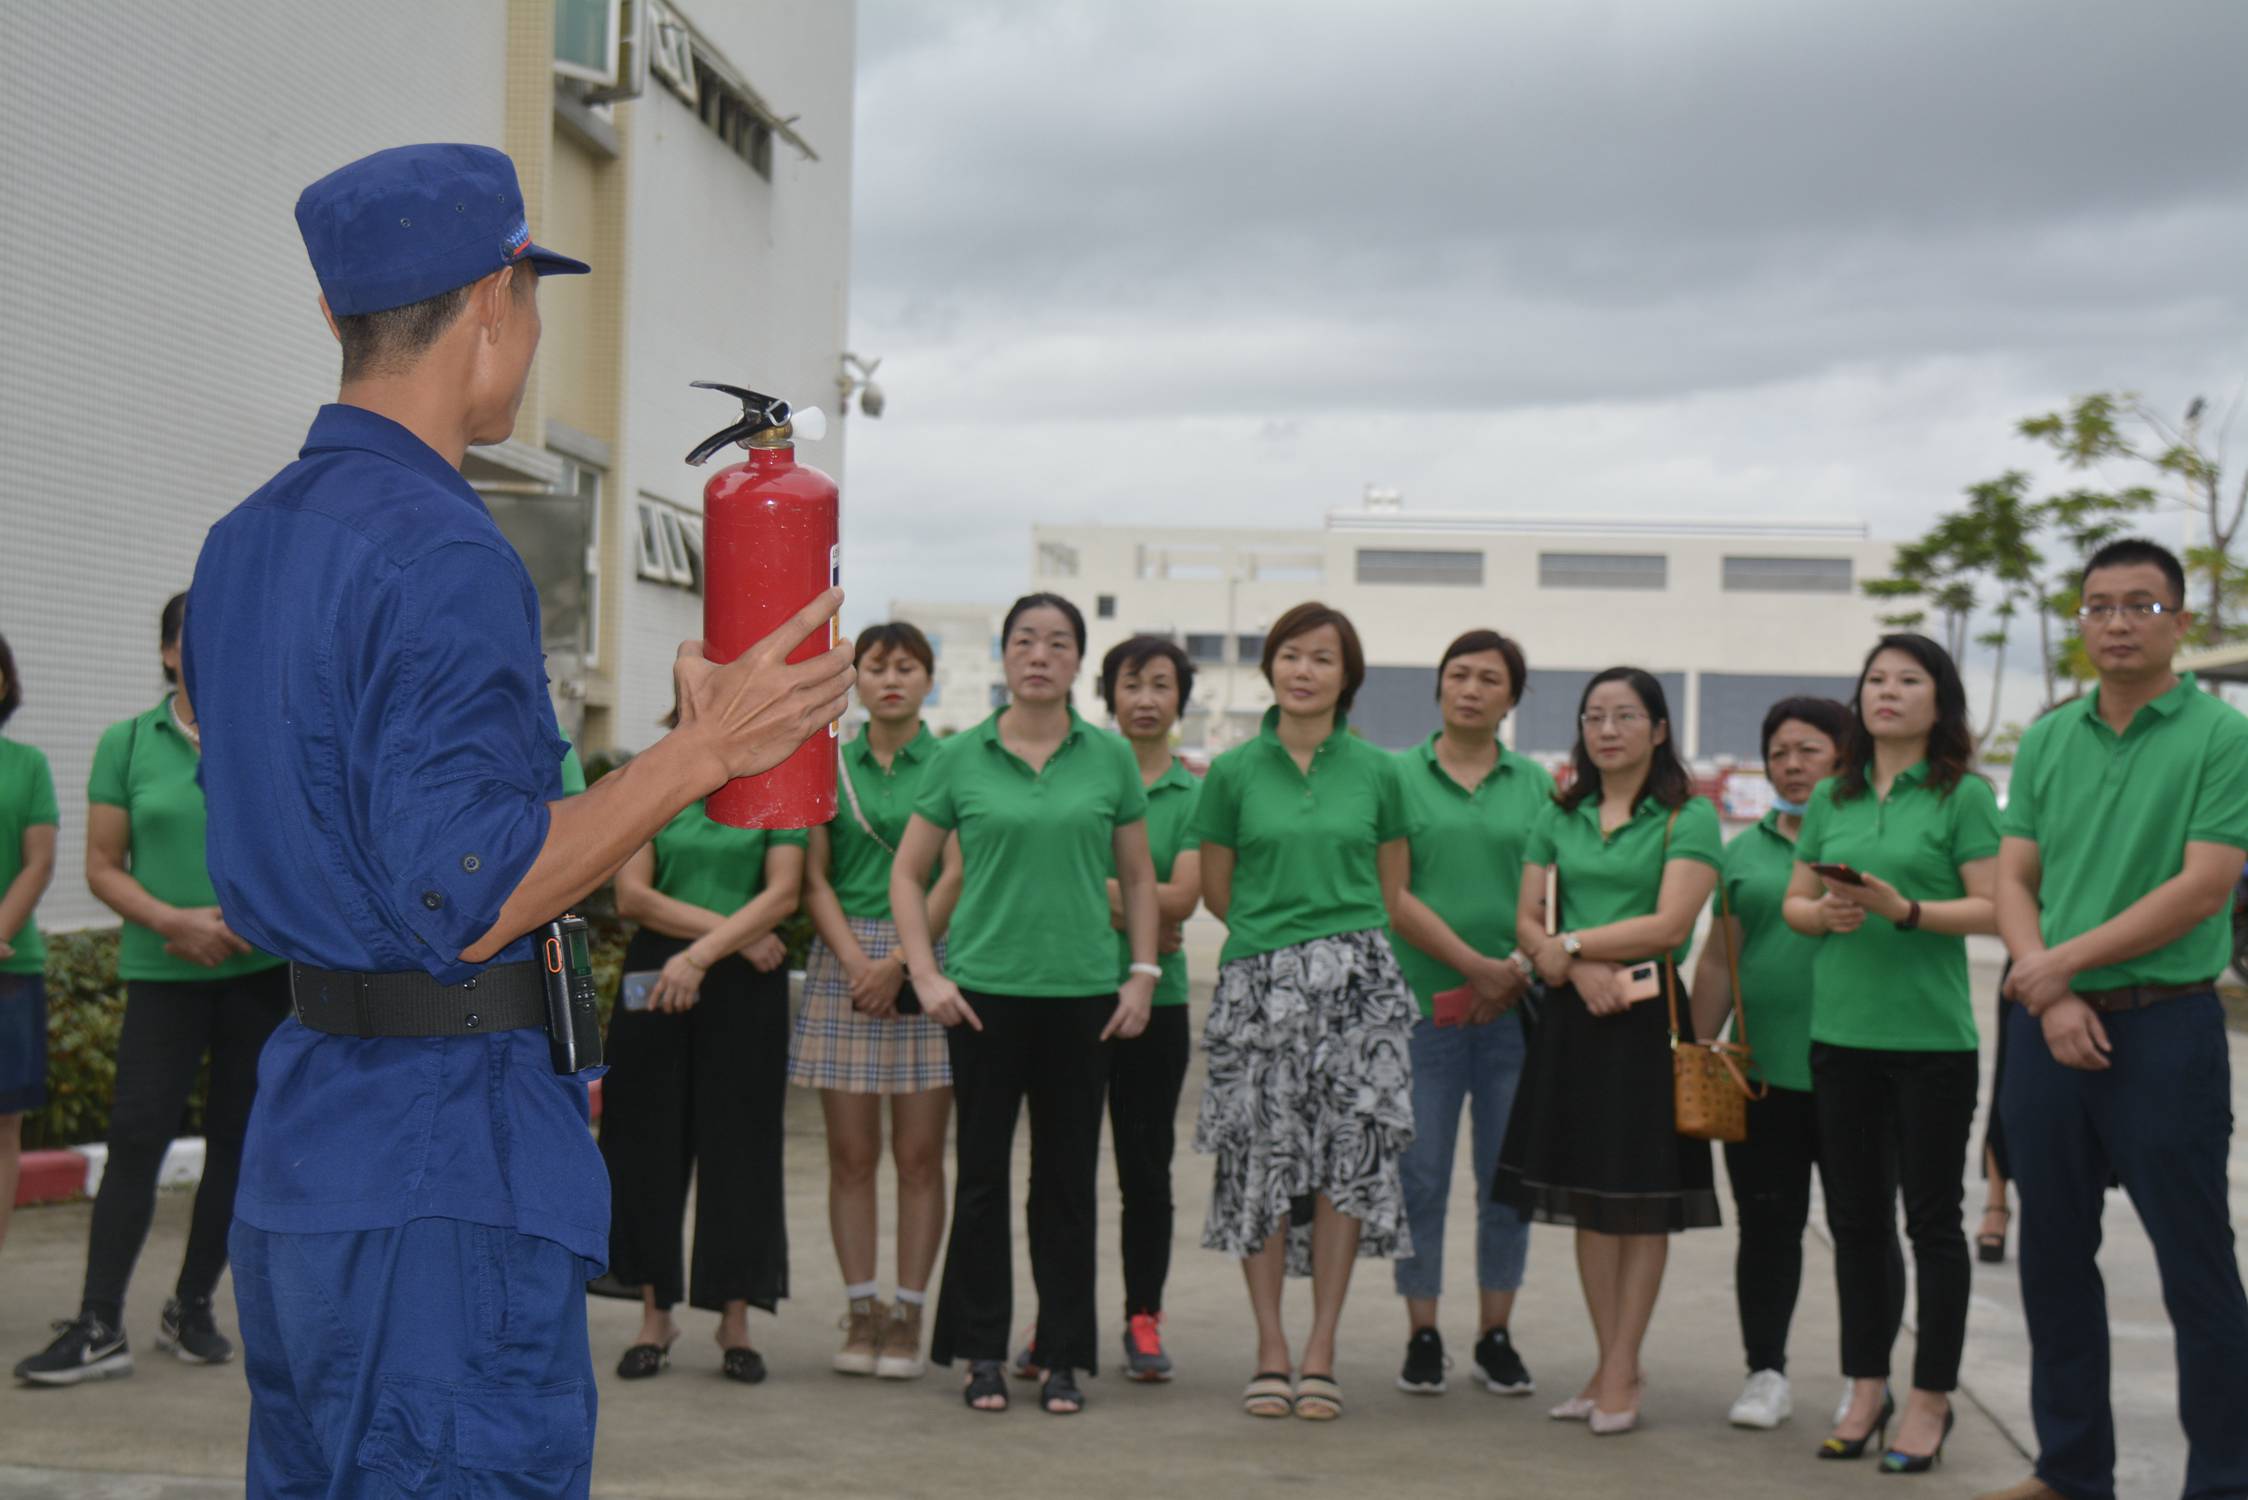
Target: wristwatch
[[1571, 944]]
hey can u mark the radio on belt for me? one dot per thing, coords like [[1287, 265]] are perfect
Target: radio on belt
[[573, 1020]]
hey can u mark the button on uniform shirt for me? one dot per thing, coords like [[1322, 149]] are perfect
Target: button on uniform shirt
[[1467, 856], [714, 866], [362, 648], [145, 766], [1614, 877], [858, 864], [1170, 832], [1776, 960], [1036, 849], [1305, 847], [1879, 987], [27, 801], [2111, 815]]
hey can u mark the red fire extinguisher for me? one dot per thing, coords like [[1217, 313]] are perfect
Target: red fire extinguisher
[[771, 544]]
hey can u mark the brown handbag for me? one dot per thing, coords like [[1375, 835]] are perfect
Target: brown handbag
[[1709, 1080]]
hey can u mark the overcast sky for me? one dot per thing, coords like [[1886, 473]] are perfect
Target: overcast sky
[[1228, 262]]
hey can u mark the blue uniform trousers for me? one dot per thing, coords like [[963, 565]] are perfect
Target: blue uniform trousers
[[2159, 1118], [435, 1358]]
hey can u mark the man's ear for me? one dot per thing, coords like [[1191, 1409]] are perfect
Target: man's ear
[[331, 317], [493, 300]]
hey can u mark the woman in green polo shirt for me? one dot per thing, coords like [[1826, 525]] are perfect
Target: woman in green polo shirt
[[1593, 1141], [1897, 862], [1472, 802], [192, 988], [1309, 1107], [1046, 806], [1146, 682], [1771, 1170], [851, 1042], [697, 1082], [28, 820]]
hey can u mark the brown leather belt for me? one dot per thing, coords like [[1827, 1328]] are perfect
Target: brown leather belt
[[2140, 996]]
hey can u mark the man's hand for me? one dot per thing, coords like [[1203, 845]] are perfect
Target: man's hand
[[2075, 1035], [753, 712], [200, 935], [2041, 980]]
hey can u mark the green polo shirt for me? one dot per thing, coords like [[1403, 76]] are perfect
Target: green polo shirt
[[1036, 850], [1776, 960], [147, 767], [27, 801], [858, 866], [1614, 877], [1880, 988], [573, 772], [2111, 816], [713, 866], [1467, 855], [1170, 832], [1304, 846]]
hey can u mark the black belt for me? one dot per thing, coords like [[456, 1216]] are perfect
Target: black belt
[[2140, 996], [505, 997]]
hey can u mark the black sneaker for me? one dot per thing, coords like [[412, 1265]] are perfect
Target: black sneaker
[[85, 1348], [1499, 1367], [1425, 1364], [189, 1332]]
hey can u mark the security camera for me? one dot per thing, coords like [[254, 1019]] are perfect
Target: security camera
[[871, 399]]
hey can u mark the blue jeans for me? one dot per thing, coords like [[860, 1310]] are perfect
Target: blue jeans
[[2159, 1119], [1453, 1065]]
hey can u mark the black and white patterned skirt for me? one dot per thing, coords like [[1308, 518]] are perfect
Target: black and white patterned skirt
[[1310, 1092]]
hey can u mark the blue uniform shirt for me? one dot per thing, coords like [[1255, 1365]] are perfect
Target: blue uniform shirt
[[363, 650]]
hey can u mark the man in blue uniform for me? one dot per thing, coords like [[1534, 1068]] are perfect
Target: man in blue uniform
[[420, 1203]]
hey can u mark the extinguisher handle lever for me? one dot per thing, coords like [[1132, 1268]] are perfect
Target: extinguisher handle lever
[[759, 413]]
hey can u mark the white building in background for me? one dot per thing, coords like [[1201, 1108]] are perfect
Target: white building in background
[[1730, 615], [696, 152], [968, 682]]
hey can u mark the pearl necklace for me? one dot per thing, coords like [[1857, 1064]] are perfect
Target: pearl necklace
[[193, 732]]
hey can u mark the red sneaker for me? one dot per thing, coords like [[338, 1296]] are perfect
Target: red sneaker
[[1144, 1358]]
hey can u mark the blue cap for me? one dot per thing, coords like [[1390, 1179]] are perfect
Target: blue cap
[[407, 224]]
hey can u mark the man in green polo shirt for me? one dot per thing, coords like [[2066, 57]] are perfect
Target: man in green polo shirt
[[2124, 834]]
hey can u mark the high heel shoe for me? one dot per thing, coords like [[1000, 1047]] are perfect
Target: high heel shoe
[[1894, 1462], [1839, 1447], [1612, 1423], [1575, 1409]]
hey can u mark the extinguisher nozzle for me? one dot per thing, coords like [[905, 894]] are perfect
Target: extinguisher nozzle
[[809, 423]]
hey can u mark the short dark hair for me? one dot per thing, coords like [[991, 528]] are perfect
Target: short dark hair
[[168, 629], [1474, 643], [11, 690], [1029, 602], [2126, 551], [1131, 655], [895, 635], [1667, 781], [1828, 717], [1951, 743], [386, 342], [1304, 619]]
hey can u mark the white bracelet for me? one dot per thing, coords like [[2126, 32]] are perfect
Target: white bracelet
[[1152, 971]]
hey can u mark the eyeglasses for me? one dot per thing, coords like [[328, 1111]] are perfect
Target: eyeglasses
[[2138, 610], [1629, 718]]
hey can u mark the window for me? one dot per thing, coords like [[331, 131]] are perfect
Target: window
[[650, 549], [1205, 650], [1406, 565], [1057, 560], [585, 39], [1249, 649], [1603, 570], [665, 553], [1788, 575], [1104, 606], [691, 532]]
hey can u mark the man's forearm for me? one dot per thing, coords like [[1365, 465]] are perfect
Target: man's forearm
[[2156, 920]]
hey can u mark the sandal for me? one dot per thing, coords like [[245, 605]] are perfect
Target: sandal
[[1318, 1398], [1270, 1394], [1059, 1396], [987, 1381], [643, 1360], [1990, 1248]]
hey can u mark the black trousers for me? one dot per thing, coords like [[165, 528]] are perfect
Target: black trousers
[[1771, 1177], [169, 1027], [698, 1096], [1891, 1121], [1146, 1075], [1048, 1050]]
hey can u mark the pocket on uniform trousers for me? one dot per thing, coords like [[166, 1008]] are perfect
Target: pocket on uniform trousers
[[420, 1430]]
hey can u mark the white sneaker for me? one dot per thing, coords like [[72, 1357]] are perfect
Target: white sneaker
[[1764, 1402]]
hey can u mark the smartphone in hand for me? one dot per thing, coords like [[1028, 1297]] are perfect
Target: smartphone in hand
[[632, 990], [1450, 1007], [1839, 874]]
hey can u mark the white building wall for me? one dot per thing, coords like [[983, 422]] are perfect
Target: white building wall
[[164, 350], [967, 667]]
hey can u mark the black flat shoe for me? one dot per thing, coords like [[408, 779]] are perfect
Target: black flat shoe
[[987, 1378], [1894, 1462], [744, 1365], [643, 1360], [1837, 1447], [1059, 1396]]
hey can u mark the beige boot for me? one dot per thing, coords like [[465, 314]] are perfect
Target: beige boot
[[862, 1337], [901, 1344]]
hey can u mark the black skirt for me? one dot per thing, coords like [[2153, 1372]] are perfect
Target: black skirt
[[1592, 1141]]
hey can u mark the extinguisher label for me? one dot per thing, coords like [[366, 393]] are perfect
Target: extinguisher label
[[834, 627]]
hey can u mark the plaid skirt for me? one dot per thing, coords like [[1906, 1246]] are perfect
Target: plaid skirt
[[837, 1047]]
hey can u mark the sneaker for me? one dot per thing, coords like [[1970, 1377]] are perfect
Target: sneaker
[[188, 1332], [862, 1337], [1144, 1358], [1425, 1364], [85, 1348], [900, 1354], [1764, 1402], [1499, 1367]]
